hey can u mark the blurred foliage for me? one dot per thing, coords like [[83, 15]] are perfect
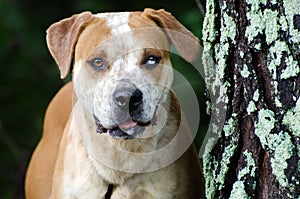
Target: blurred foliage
[[30, 78]]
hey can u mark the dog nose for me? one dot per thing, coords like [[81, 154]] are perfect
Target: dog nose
[[136, 99], [128, 98]]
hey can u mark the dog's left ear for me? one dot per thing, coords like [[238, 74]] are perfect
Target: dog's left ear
[[184, 41], [62, 38]]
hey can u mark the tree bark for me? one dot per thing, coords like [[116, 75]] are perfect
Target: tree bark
[[251, 60]]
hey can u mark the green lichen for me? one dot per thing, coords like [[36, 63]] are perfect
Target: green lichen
[[255, 16], [209, 69], [256, 95], [292, 68], [251, 107], [208, 107], [209, 163], [210, 166], [272, 27], [213, 174], [208, 169], [267, 23], [228, 28], [264, 125], [276, 96], [280, 144], [256, 26], [257, 46], [291, 8], [229, 126], [229, 150], [226, 157], [283, 147], [292, 118], [277, 102], [251, 167], [242, 54], [275, 55], [245, 72], [273, 71], [222, 98], [214, 72], [209, 27], [215, 130], [208, 147], [283, 23], [221, 51], [228, 32], [276, 51], [209, 36], [238, 191]]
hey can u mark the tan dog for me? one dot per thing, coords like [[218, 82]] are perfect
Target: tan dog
[[116, 131]]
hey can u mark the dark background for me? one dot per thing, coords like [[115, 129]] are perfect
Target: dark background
[[30, 78]]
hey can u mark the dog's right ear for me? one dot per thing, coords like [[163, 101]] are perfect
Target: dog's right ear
[[184, 41], [62, 38]]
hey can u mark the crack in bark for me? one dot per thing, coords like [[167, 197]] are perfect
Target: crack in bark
[[264, 79]]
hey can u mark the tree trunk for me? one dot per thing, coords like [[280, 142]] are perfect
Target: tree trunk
[[251, 61]]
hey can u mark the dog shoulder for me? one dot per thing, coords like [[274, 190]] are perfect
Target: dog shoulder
[[58, 112], [40, 171]]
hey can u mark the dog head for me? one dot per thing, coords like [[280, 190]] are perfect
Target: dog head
[[122, 71]]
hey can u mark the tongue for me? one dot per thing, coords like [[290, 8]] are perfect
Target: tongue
[[127, 125]]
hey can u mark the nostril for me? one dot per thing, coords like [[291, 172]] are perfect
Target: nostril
[[121, 100], [135, 99], [128, 99]]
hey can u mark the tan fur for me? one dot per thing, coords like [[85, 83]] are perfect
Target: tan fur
[[41, 168], [72, 160], [61, 43]]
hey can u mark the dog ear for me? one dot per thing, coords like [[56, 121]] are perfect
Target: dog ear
[[184, 41], [62, 38]]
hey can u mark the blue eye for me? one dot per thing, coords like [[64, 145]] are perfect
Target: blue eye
[[151, 61], [97, 63]]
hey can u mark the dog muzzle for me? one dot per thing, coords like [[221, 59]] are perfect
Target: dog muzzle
[[129, 105]]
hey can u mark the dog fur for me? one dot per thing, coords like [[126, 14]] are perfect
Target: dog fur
[[72, 160]]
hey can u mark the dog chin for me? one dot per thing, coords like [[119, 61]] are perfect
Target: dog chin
[[126, 134], [129, 129]]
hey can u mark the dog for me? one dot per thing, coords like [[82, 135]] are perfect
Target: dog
[[116, 131]]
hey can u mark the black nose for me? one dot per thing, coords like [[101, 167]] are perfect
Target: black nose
[[128, 99], [135, 100]]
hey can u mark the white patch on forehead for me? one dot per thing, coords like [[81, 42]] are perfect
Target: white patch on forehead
[[118, 22]]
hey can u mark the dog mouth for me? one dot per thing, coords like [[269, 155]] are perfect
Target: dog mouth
[[128, 112], [128, 129]]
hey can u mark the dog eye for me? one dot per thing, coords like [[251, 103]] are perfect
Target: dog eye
[[151, 61], [97, 63]]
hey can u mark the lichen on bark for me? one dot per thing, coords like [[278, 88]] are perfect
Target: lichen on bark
[[251, 60]]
